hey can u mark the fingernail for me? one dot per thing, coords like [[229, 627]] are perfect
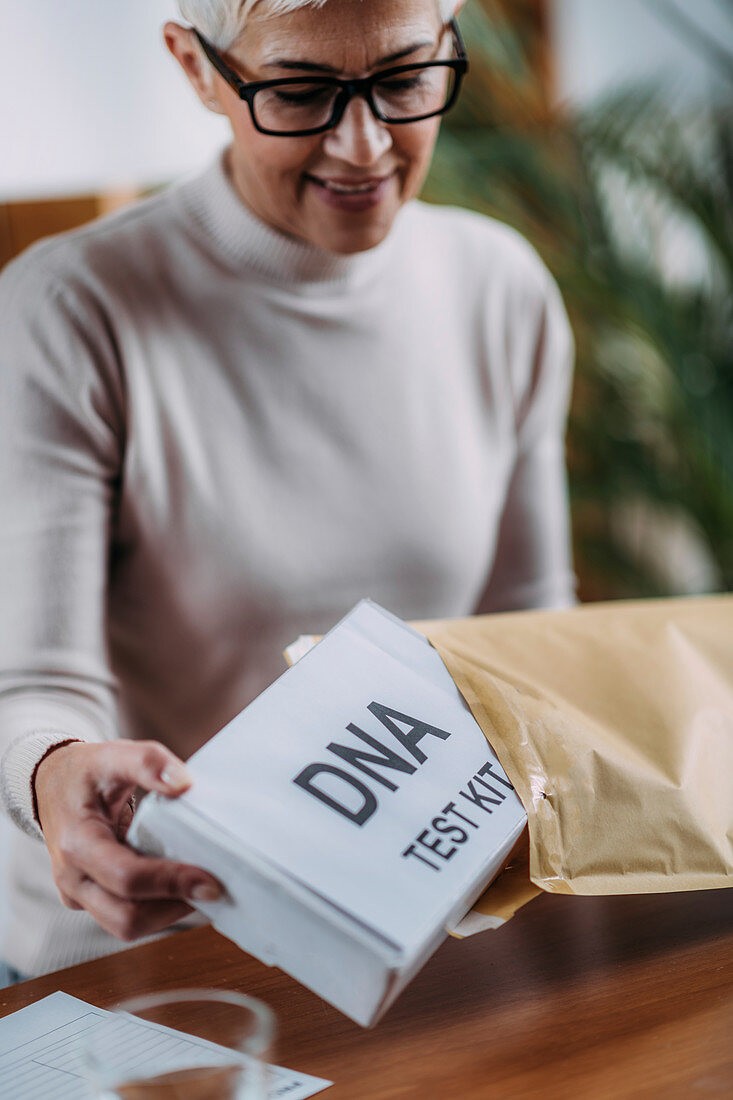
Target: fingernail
[[175, 776], [205, 891]]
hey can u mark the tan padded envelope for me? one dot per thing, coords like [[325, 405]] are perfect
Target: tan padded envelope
[[614, 722]]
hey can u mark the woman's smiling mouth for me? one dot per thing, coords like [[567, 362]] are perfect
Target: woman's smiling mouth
[[351, 194]]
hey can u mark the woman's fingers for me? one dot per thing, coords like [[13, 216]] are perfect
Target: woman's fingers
[[120, 766], [129, 920], [120, 871], [93, 777], [83, 792]]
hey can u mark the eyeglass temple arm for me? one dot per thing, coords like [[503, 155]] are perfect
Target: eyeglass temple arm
[[461, 45], [232, 78]]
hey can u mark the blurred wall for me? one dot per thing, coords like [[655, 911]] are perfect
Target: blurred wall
[[602, 44], [91, 100]]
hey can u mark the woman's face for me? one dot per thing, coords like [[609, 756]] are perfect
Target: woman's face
[[284, 180]]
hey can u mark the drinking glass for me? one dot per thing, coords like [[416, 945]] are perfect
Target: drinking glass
[[189, 1044]]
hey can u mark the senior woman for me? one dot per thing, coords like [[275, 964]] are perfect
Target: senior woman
[[234, 409]]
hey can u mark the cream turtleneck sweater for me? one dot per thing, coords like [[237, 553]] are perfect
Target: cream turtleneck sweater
[[214, 438]]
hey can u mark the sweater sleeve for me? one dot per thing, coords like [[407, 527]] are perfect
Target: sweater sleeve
[[532, 566], [60, 454]]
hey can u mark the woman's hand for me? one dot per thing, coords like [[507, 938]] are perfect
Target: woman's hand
[[83, 794]]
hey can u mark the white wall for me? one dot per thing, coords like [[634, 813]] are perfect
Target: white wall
[[601, 44], [90, 99]]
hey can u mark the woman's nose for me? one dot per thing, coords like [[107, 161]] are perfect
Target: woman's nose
[[359, 138]]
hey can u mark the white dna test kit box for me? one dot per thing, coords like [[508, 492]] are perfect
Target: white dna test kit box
[[354, 812]]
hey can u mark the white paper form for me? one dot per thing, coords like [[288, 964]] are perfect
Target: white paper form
[[39, 1052]]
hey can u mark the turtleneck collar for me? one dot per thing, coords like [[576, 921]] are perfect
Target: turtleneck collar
[[211, 200]]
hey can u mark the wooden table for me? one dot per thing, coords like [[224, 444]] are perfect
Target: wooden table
[[625, 997]]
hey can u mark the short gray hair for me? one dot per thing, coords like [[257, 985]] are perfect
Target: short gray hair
[[222, 21]]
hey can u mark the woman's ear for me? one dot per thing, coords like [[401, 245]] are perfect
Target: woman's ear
[[187, 52]]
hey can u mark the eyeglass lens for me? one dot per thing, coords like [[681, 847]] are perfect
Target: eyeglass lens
[[404, 96]]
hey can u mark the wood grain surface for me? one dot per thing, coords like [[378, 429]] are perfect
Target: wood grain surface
[[625, 997]]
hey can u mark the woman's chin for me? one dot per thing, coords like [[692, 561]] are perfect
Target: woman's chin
[[349, 246], [345, 225], [345, 239]]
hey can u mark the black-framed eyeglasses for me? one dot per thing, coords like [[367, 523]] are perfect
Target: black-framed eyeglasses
[[299, 106]]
